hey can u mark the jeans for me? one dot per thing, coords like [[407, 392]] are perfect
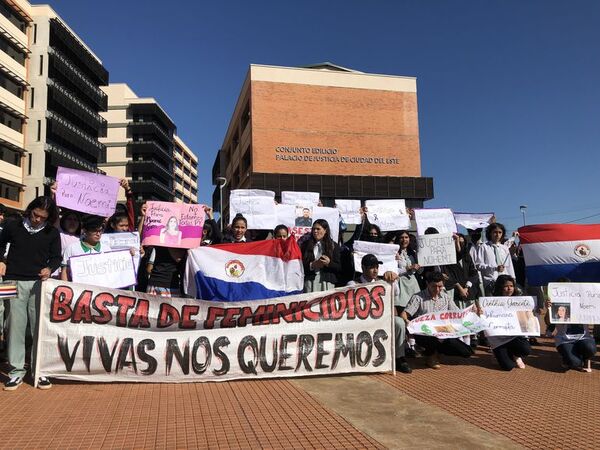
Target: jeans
[[400, 331], [506, 353], [575, 353], [450, 347]]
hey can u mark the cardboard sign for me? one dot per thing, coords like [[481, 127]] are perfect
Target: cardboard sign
[[86, 192], [173, 224], [386, 253], [577, 303], [388, 215], [441, 219], [110, 269], [139, 337], [300, 198], [349, 210], [473, 221], [257, 207], [447, 324], [436, 250], [510, 316], [288, 215]]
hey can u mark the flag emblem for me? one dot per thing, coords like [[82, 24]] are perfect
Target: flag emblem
[[583, 251], [234, 268]]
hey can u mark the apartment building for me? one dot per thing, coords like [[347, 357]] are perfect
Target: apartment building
[[186, 173]]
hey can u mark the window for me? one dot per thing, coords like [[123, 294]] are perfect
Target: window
[[14, 18], [39, 131], [41, 65], [32, 101], [10, 156], [34, 33], [11, 86], [12, 51], [16, 123], [37, 192]]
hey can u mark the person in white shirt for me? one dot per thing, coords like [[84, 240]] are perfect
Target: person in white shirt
[[92, 228], [495, 257]]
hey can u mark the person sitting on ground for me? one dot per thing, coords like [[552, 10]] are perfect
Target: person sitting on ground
[[370, 271], [433, 299]]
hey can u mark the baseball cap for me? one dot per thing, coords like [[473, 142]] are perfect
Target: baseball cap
[[370, 260]]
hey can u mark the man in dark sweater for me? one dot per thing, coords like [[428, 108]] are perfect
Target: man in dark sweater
[[34, 253]]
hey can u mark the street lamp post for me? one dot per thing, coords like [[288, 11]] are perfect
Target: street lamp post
[[523, 209], [222, 182]]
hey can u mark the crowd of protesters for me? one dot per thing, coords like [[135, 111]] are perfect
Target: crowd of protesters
[[39, 243]]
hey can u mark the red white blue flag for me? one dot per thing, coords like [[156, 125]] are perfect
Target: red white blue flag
[[553, 251]]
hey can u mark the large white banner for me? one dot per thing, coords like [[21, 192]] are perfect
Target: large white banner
[[110, 269], [386, 253], [473, 221], [257, 206], [290, 215], [102, 335], [436, 250], [574, 303], [441, 219], [388, 215], [349, 210], [300, 198], [510, 316], [447, 324]]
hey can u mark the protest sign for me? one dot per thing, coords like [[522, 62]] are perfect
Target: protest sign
[[388, 215], [441, 219], [574, 303], [287, 215], [510, 316], [110, 269], [436, 250], [447, 324], [473, 221], [257, 207], [173, 224], [386, 253], [123, 241], [300, 198], [107, 335], [349, 210], [86, 192]]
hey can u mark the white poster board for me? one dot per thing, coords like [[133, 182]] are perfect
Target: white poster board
[[349, 210], [388, 215], [111, 269], [436, 250], [447, 324], [386, 253], [123, 241], [510, 316], [473, 221], [300, 198], [257, 206], [287, 215], [442, 219], [577, 303]]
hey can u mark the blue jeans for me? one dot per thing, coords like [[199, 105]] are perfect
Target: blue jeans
[[575, 353]]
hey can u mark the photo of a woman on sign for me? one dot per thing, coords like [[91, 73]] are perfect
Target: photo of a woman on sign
[[561, 312], [303, 217], [170, 234]]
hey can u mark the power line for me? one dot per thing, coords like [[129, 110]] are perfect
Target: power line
[[584, 218]]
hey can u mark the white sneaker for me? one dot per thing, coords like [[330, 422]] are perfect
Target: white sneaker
[[44, 383], [13, 384]]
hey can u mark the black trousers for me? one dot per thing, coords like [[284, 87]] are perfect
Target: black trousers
[[573, 354], [506, 353], [450, 347]]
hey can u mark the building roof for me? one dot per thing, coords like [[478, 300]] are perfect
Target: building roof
[[330, 66]]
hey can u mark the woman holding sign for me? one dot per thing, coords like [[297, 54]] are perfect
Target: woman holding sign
[[408, 268], [321, 258], [508, 350]]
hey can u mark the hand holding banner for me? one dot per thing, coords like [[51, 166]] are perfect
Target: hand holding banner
[[388, 215], [86, 192], [257, 206], [441, 219], [436, 250]]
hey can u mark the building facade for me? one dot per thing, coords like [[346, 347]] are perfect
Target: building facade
[[15, 17], [327, 129], [139, 144], [186, 173], [64, 124]]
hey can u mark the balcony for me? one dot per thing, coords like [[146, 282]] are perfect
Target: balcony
[[62, 64], [13, 70], [149, 166], [12, 137], [68, 100], [12, 103], [60, 156], [13, 34], [149, 148], [161, 190], [94, 67], [66, 130], [151, 128]]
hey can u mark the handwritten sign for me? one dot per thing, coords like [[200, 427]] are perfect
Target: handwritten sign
[[386, 253], [123, 241], [300, 198], [86, 192], [510, 316], [257, 206], [388, 215], [287, 215], [173, 224], [447, 324], [349, 210], [110, 269], [436, 250], [441, 219], [574, 303], [473, 221]]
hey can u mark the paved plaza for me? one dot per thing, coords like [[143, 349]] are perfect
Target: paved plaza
[[466, 404]]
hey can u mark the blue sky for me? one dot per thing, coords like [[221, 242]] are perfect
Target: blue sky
[[508, 91]]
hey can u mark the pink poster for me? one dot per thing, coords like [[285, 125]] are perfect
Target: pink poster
[[86, 192], [173, 224]]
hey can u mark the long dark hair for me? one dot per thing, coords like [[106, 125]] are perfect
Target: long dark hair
[[47, 204], [499, 284], [393, 237], [492, 227], [328, 244], [63, 220]]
